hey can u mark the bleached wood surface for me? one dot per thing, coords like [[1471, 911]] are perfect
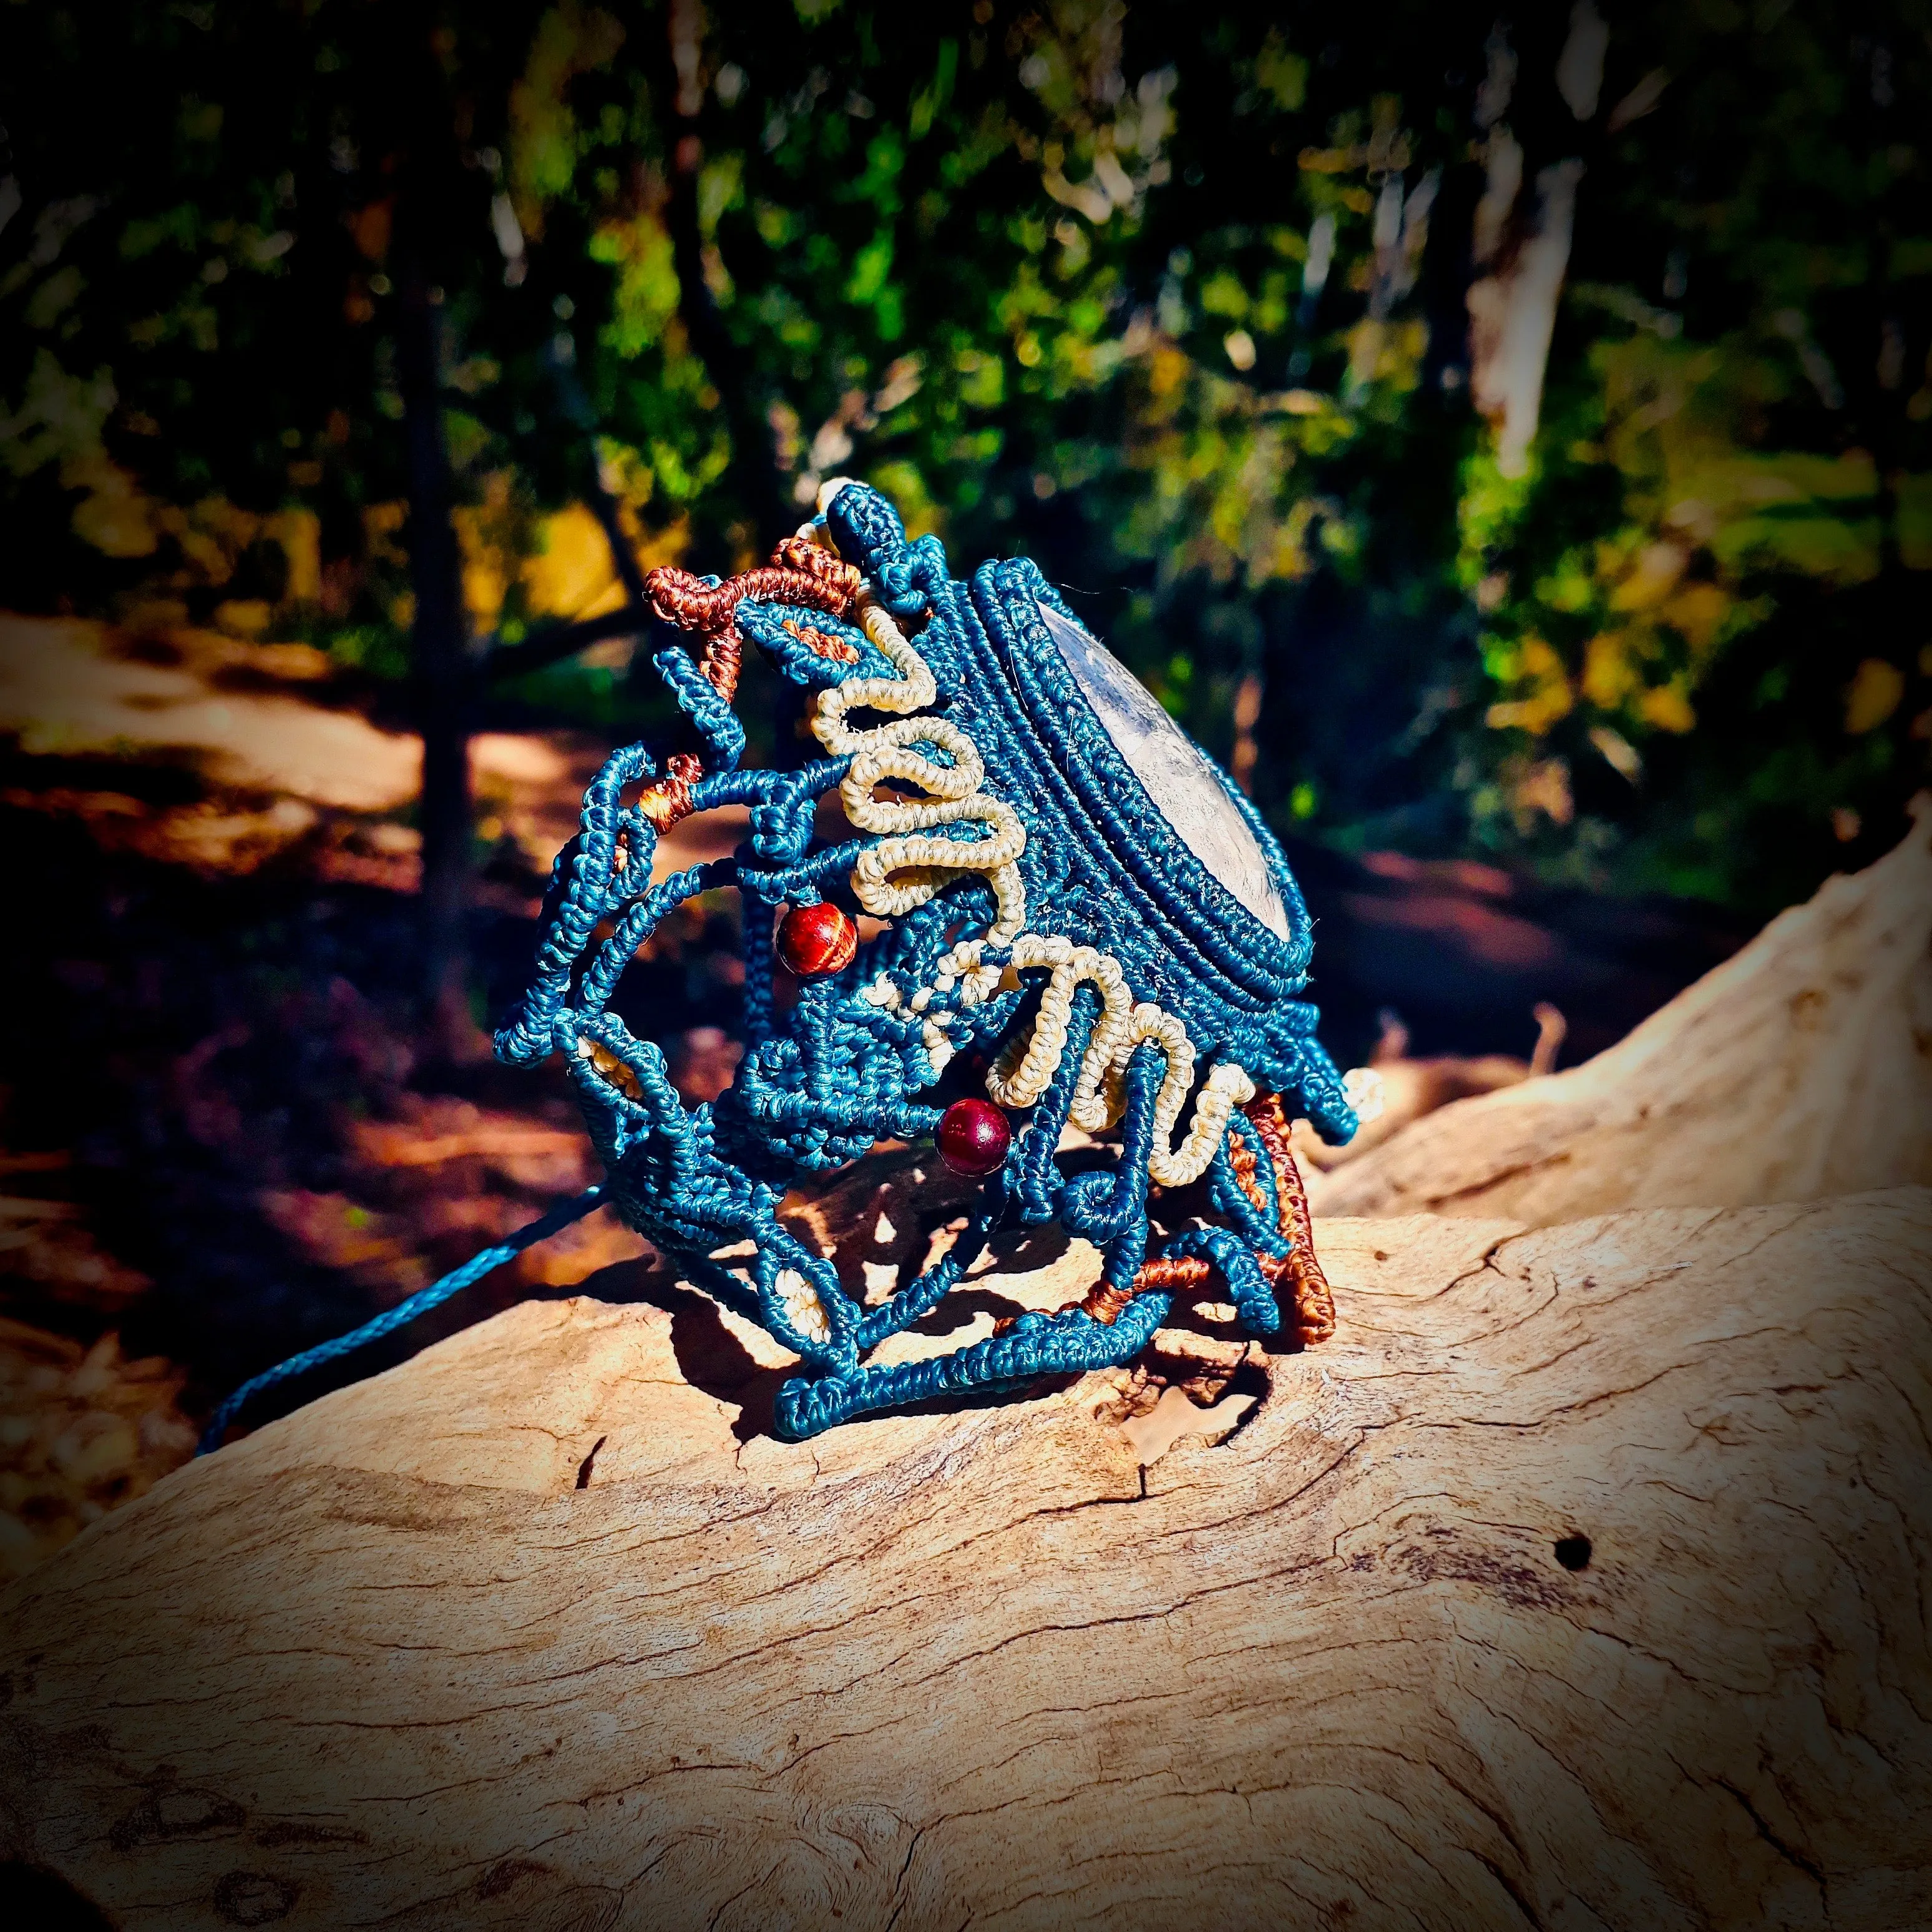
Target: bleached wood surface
[[1802, 1067], [1048, 1663]]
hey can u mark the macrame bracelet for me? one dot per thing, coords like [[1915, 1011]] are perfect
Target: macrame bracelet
[[1044, 922]]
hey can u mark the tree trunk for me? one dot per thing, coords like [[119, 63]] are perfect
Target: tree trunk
[[440, 640], [435, 205]]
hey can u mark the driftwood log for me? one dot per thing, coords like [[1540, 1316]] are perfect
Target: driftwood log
[[1801, 1067], [1579, 1582]]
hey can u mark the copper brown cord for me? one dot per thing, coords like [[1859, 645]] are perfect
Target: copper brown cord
[[1312, 1302], [1105, 1302], [1241, 1159], [667, 800], [800, 573], [835, 650]]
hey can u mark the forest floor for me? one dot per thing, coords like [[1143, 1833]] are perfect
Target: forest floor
[[223, 1136]]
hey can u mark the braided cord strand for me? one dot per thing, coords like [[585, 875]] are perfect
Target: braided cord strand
[[1308, 1285], [905, 870], [405, 1311], [999, 832], [1187, 1263]]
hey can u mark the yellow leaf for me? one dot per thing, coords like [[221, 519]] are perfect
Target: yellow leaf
[[1608, 676], [1544, 788], [246, 616], [484, 589], [1698, 611], [1167, 369], [1654, 576], [1668, 709], [1550, 698], [573, 573], [382, 526], [299, 533], [115, 517], [1873, 695]]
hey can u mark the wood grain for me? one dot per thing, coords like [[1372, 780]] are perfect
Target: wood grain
[[1801, 1067], [528, 1632]]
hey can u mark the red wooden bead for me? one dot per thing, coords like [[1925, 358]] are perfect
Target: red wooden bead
[[816, 941], [973, 1137]]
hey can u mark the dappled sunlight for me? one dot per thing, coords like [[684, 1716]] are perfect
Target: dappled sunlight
[[1505, 446]]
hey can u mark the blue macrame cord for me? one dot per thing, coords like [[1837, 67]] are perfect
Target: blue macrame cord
[[1037, 910], [405, 1311]]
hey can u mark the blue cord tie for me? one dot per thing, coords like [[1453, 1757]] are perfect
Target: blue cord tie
[[421, 1303], [1043, 930]]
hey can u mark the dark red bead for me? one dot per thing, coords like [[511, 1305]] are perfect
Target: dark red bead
[[816, 940], [973, 1137]]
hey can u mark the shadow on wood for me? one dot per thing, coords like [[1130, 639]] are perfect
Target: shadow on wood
[[1580, 1577]]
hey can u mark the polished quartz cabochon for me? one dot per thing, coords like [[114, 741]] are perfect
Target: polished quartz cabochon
[[1173, 769]]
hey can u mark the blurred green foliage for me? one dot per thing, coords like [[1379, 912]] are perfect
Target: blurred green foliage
[[1178, 300]]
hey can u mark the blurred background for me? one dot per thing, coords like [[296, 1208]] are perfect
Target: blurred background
[[1504, 440]]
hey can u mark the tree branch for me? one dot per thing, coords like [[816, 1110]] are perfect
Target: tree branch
[[551, 645]]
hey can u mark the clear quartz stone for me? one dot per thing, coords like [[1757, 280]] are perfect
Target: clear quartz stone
[[1173, 770]]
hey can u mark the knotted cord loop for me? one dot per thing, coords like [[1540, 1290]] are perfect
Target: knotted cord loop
[[1033, 904]]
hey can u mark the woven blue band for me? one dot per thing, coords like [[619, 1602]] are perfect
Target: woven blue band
[[1039, 917]]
